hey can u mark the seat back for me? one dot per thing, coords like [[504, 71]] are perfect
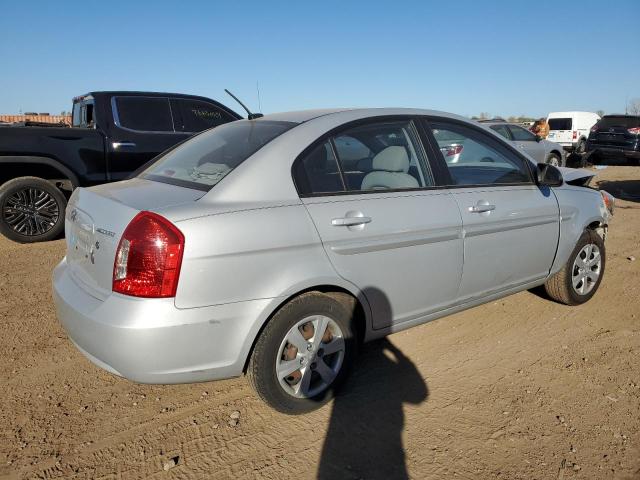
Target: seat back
[[390, 167]]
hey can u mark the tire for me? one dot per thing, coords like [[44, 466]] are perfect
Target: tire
[[31, 210], [555, 160], [581, 147], [286, 392], [560, 286]]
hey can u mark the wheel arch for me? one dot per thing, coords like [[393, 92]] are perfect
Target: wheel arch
[[23, 166], [338, 289]]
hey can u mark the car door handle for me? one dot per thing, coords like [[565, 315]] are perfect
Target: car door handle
[[482, 208], [350, 221], [117, 145]]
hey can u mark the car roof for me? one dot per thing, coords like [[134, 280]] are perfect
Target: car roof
[[302, 116]]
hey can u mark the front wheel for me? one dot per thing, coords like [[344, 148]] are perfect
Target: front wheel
[[31, 210], [304, 353], [580, 277]]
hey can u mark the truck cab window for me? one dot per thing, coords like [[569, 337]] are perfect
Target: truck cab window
[[83, 115], [145, 114], [90, 122], [194, 115], [77, 117]]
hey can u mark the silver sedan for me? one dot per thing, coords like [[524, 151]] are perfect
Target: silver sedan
[[540, 149], [273, 247]]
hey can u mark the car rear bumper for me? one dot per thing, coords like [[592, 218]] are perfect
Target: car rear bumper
[[613, 152], [152, 341]]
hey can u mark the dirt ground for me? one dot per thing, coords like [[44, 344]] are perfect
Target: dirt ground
[[521, 388]]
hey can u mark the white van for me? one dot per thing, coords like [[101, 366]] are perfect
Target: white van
[[571, 129]]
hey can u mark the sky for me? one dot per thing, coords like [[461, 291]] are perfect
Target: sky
[[499, 57]]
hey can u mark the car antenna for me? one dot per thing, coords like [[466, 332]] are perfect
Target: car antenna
[[250, 116]]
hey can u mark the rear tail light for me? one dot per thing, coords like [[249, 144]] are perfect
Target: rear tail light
[[634, 131], [148, 258], [574, 135], [452, 150], [594, 129]]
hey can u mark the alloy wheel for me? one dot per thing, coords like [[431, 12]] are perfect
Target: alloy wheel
[[310, 356], [30, 211], [586, 269]]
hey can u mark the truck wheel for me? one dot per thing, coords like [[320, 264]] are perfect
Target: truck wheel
[[580, 277], [581, 147], [303, 354], [31, 210]]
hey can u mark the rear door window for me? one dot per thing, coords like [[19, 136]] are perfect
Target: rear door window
[[395, 160], [317, 172], [521, 135], [145, 114], [560, 124], [195, 115], [502, 130], [374, 157]]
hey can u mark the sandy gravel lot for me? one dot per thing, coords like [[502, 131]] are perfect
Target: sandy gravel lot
[[521, 388]]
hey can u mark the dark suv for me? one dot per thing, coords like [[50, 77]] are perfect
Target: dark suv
[[615, 137]]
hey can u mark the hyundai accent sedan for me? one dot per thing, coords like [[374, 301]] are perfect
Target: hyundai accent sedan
[[274, 247]]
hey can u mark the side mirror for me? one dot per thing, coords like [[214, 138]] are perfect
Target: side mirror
[[548, 175], [538, 138]]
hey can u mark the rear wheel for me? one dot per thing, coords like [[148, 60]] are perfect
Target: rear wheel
[[580, 277], [31, 210], [304, 353], [581, 147]]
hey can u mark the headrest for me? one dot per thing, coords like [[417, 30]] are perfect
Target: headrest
[[392, 159]]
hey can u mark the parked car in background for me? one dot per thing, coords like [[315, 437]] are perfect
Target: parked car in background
[[274, 246], [571, 129], [541, 150], [112, 134], [615, 137]]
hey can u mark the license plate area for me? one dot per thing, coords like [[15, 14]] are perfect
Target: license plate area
[[81, 237]]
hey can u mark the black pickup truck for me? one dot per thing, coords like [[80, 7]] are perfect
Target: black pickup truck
[[112, 134]]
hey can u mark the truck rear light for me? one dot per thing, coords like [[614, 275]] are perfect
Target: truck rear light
[[594, 129], [574, 135], [634, 130], [148, 258]]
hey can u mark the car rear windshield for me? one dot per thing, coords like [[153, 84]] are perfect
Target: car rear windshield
[[619, 121], [204, 160], [560, 124]]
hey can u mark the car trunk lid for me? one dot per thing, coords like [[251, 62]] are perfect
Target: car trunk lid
[[96, 219]]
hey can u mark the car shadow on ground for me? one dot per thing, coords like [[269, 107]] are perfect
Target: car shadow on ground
[[364, 439], [628, 190]]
